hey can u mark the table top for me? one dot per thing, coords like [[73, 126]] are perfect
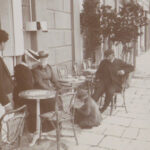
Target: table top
[[35, 94], [91, 70], [72, 81]]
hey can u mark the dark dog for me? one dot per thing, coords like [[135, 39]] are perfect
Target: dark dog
[[88, 115]]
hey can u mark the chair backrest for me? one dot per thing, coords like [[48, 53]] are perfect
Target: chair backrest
[[89, 63], [62, 71], [76, 69], [125, 82], [12, 125], [84, 64], [68, 100]]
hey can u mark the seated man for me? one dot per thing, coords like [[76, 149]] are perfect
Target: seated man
[[109, 77]]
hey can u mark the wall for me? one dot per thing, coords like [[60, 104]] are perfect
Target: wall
[[62, 39], [26, 17], [10, 11], [58, 40], [6, 24], [76, 36]]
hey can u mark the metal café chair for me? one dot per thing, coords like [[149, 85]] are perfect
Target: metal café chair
[[87, 64], [11, 128], [76, 70], [84, 64], [62, 71], [113, 104], [64, 112]]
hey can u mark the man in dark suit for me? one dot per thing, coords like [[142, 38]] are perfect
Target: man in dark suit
[[6, 83], [109, 77]]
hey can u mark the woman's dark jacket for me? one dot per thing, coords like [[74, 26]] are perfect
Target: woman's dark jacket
[[24, 78], [24, 81]]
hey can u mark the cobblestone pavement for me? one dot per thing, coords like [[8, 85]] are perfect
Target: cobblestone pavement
[[121, 130]]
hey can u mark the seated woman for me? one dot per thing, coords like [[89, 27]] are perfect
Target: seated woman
[[45, 79], [25, 81], [88, 115], [44, 75]]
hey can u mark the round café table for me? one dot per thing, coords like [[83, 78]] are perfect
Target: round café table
[[37, 95], [72, 81], [90, 70]]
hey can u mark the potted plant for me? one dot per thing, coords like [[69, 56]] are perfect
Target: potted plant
[[90, 27], [126, 27], [107, 22]]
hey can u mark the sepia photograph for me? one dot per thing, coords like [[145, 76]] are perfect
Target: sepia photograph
[[74, 74]]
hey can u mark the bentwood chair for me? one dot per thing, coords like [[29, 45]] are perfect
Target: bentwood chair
[[62, 71], [65, 114], [76, 70], [122, 93], [87, 64], [11, 128], [113, 104]]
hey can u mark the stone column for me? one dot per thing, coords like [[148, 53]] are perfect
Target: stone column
[[76, 53]]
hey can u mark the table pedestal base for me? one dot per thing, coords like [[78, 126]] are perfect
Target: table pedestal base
[[47, 136], [36, 137], [61, 147]]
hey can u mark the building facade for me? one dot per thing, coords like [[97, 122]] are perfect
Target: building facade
[[50, 25]]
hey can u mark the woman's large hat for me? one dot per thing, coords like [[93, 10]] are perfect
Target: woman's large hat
[[42, 54], [32, 54], [36, 55]]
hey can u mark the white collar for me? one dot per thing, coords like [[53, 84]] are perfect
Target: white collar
[[112, 60], [24, 64]]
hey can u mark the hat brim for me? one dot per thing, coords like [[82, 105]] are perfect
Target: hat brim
[[30, 55], [44, 56]]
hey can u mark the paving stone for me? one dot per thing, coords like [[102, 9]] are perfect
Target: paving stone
[[141, 111], [115, 131], [144, 134], [77, 147], [96, 130], [140, 124], [127, 115], [89, 139], [118, 121], [138, 145], [131, 133], [96, 148], [115, 143], [42, 145]]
